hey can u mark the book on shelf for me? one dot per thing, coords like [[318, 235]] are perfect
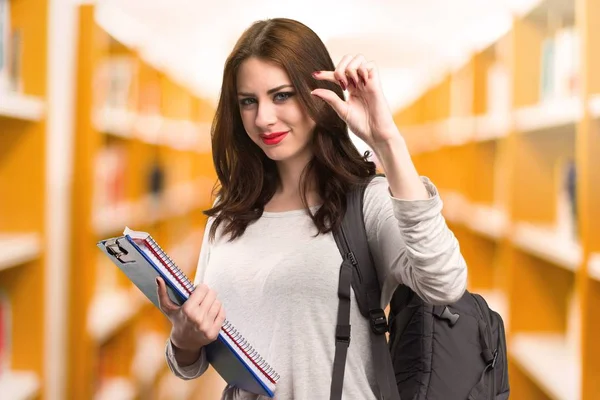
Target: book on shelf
[[115, 83], [142, 260], [566, 202], [560, 64], [15, 79], [110, 166]]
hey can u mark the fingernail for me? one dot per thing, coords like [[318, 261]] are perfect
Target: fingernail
[[316, 73], [343, 85]]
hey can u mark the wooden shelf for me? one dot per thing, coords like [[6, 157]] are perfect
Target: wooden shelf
[[114, 122], [594, 266], [19, 385], [18, 249], [483, 219], [547, 245], [487, 221], [148, 128], [459, 130], [549, 115], [110, 311], [594, 106], [491, 127], [114, 219], [117, 389], [20, 106], [149, 358], [550, 362], [173, 387]]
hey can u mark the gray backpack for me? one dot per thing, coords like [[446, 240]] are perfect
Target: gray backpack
[[468, 360]]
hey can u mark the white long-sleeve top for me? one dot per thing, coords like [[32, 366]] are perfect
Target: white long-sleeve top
[[278, 283]]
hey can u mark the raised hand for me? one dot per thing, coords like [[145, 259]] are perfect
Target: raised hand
[[366, 110]]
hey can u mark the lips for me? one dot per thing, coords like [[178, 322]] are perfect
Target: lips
[[273, 138]]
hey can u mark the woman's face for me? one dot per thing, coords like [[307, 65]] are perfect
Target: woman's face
[[271, 112]]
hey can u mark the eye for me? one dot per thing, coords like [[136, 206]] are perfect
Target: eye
[[247, 101], [283, 96]]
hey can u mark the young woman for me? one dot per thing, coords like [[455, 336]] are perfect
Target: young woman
[[285, 162]]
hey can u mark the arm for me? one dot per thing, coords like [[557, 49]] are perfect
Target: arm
[[190, 364], [411, 244], [401, 173]]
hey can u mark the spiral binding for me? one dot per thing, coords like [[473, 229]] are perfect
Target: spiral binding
[[170, 264], [243, 344]]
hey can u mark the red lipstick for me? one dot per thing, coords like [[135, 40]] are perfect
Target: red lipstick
[[274, 138]]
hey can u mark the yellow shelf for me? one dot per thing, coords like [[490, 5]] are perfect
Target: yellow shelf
[[594, 105], [114, 122], [548, 360], [110, 311], [548, 245], [111, 220], [149, 358], [594, 266], [117, 389], [492, 126], [486, 220], [181, 199], [159, 133], [172, 387], [17, 249], [21, 106], [549, 115], [17, 385]]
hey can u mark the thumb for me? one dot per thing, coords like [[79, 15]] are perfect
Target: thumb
[[339, 105], [164, 301]]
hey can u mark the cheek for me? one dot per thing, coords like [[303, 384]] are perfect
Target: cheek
[[247, 122]]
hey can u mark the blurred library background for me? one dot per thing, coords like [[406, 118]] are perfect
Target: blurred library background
[[105, 113]]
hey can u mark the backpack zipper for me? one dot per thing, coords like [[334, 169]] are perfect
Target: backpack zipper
[[350, 255]]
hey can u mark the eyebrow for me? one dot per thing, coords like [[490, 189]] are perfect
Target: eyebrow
[[270, 91]]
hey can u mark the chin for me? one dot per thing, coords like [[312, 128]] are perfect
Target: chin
[[279, 153]]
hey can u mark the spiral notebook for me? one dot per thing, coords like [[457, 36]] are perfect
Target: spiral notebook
[[139, 256]]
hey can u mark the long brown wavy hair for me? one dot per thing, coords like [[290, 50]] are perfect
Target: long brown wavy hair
[[248, 178]]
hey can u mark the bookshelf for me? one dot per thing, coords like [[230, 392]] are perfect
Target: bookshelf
[[22, 208], [519, 174], [142, 159]]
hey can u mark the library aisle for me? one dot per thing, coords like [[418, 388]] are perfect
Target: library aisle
[[510, 136]]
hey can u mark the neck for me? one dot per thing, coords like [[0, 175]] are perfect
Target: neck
[[290, 173]]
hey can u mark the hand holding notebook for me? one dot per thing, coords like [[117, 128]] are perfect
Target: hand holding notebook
[[143, 261], [195, 324]]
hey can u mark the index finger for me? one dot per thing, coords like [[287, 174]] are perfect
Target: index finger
[[325, 76]]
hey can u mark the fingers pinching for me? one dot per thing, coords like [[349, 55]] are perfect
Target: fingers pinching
[[365, 70], [340, 71], [352, 70]]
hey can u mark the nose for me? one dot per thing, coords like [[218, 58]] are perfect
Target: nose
[[265, 115]]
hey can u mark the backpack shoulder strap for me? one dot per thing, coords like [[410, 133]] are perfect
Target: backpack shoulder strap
[[357, 271], [352, 241]]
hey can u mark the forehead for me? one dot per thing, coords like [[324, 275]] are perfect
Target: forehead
[[259, 75]]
